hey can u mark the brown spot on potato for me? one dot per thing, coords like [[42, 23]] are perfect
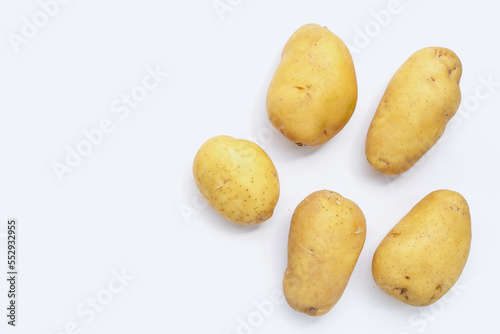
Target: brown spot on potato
[[384, 161], [456, 208], [311, 310], [223, 183], [401, 290], [440, 52]]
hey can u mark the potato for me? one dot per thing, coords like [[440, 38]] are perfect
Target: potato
[[422, 96], [327, 234], [237, 178], [313, 92], [421, 258]]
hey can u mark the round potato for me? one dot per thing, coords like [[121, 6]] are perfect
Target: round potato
[[237, 178]]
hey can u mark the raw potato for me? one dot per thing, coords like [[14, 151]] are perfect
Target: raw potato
[[421, 98], [237, 178], [327, 234], [313, 92], [422, 257]]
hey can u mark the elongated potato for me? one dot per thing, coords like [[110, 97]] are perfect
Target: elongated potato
[[422, 96], [314, 91], [327, 234], [422, 257], [237, 178]]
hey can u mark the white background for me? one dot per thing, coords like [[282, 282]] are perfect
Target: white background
[[131, 204]]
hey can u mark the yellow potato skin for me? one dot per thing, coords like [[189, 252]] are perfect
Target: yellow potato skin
[[422, 257], [237, 178], [314, 91], [327, 234], [422, 96]]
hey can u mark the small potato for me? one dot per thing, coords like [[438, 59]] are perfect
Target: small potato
[[314, 91], [422, 257], [327, 234], [422, 96], [237, 178]]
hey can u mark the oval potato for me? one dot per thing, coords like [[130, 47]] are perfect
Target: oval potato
[[327, 234], [422, 96], [422, 257], [237, 178], [313, 92]]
